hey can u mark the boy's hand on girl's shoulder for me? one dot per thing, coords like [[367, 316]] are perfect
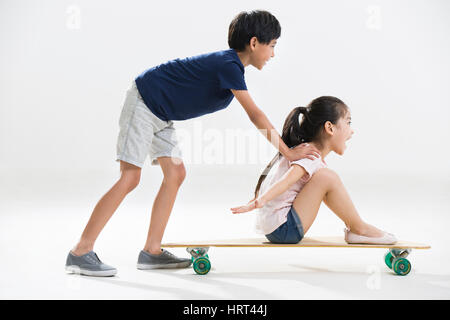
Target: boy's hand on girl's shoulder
[[304, 150]]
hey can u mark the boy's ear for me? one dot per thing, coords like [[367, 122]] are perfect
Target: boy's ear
[[253, 42]]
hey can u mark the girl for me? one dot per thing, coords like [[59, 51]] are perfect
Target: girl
[[290, 198]]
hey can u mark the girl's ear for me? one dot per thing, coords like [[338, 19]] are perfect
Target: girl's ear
[[328, 127]]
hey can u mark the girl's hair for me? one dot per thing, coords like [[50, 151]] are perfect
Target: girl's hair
[[295, 132]]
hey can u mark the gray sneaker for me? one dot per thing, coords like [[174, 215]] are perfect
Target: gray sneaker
[[165, 260], [89, 265]]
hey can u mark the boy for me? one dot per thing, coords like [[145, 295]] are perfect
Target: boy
[[180, 89]]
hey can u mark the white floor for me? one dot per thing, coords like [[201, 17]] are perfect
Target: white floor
[[42, 215]]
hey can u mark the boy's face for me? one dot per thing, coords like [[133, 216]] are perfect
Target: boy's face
[[261, 53]]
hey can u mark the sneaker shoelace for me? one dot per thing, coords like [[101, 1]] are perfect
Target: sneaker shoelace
[[170, 254], [93, 260]]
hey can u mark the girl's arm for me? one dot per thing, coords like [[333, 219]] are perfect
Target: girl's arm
[[260, 120], [294, 173]]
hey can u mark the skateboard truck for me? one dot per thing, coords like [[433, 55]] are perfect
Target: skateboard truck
[[396, 260], [200, 259]]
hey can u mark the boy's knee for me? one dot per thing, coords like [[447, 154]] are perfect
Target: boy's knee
[[130, 180], [130, 175], [176, 174]]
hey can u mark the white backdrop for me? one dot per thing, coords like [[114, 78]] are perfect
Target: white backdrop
[[66, 65]]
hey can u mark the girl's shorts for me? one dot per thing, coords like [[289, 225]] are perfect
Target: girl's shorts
[[289, 232], [143, 134]]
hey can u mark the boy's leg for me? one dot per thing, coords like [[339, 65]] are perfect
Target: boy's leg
[[108, 204], [174, 174], [325, 185]]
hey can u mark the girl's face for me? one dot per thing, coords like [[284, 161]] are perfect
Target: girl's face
[[340, 133]]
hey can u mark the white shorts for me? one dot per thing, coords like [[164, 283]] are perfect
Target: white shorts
[[142, 133]]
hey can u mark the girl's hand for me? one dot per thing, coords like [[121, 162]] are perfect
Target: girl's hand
[[304, 150], [253, 204]]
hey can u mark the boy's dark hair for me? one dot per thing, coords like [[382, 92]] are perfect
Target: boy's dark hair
[[246, 25], [315, 115]]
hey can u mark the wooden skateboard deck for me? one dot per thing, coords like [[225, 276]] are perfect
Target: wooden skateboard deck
[[306, 242], [395, 259]]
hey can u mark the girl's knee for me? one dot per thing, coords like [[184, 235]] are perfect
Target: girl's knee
[[327, 175]]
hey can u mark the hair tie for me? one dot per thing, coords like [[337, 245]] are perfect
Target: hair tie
[[304, 111]]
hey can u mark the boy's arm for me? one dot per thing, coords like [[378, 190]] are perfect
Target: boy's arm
[[294, 173], [261, 121]]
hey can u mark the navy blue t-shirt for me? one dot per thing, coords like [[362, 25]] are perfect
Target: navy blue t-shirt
[[186, 88]]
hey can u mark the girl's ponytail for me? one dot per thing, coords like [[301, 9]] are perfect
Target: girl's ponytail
[[265, 173], [290, 136]]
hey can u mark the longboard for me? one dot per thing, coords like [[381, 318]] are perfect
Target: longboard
[[395, 258]]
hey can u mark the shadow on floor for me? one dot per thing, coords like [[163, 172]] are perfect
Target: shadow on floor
[[376, 284]]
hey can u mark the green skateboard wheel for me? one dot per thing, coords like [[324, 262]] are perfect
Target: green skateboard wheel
[[193, 259], [401, 266], [202, 265], [388, 257]]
